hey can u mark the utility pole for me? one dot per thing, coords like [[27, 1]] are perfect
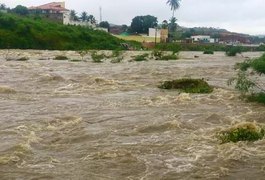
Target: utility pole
[[100, 14]]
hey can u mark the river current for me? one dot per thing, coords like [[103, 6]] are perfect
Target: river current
[[85, 120]]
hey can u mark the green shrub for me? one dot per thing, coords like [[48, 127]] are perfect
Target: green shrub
[[208, 52], [233, 50], [61, 58], [116, 53], [169, 57], [243, 66], [242, 132], [188, 85], [258, 97], [157, 54], [259, 64], [141, 57], [117, 60], [97, 58]]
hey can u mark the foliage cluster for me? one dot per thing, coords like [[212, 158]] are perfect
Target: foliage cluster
[[97, 58], [61, 57], [233, 50], [208, 52], [188, 85], [242, 132], [141, 24], [35, 33], [251, 89], [142, 57]]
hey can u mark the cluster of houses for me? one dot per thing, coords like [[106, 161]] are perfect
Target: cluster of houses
[[56, 11]]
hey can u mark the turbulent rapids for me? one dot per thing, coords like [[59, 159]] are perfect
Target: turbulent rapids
[[85, 120]]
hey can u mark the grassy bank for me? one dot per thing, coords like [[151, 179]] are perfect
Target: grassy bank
[[19, 32]]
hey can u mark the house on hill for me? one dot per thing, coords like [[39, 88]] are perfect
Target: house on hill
[[57, 12]]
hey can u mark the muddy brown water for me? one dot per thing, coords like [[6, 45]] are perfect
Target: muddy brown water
[[85, 120]]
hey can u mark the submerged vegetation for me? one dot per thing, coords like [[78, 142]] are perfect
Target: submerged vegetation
[[142, 57], [208, 52], [249, 79], [246, 131], [61, 58], [188, 85], [233, 50]]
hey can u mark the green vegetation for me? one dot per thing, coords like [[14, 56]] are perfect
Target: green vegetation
[[97, 58], [142, 57], [25, 32], [208, 52], [75, 60], [169, 57], [188, 85], [252, 89], [61, 58], [259, 64], [117, 60], [233, 50], [160, 55], [242, 132]]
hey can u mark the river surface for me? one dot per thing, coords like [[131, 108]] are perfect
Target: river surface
[[85, 120]]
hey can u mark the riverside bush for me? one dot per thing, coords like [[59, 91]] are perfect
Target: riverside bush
[[188, 85]]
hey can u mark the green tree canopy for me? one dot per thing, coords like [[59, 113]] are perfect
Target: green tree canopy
[[141, 24], [84, 16], [21, 10], [104, 24]]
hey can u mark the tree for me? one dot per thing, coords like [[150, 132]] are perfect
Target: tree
[[2, 6], [174, 5], [164, 24], [21, 10], [91, 19], [141, 24], [172, 24], [124, 28], [73, 15], [104, 24], [84, 16]]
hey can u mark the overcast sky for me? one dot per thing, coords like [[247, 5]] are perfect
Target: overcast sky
[[245, 16]]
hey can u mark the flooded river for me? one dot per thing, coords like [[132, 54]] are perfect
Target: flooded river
[[85, 120]]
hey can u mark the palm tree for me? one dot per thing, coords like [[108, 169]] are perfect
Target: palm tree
[[73, 15], [2, 6], [174, 5], [91, 19], [84, 16]]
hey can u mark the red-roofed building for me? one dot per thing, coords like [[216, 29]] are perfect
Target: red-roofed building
[[55, 11]]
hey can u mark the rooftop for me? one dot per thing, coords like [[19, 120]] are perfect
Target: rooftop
[[56, 6]]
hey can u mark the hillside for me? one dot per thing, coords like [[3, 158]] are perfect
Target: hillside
[[18, 32]]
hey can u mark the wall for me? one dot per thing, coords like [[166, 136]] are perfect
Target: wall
[[154, 32]]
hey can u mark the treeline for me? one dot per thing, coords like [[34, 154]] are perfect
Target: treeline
[[37, 33]]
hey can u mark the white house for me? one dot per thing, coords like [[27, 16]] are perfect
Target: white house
[[203, 38], [154, 32]]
